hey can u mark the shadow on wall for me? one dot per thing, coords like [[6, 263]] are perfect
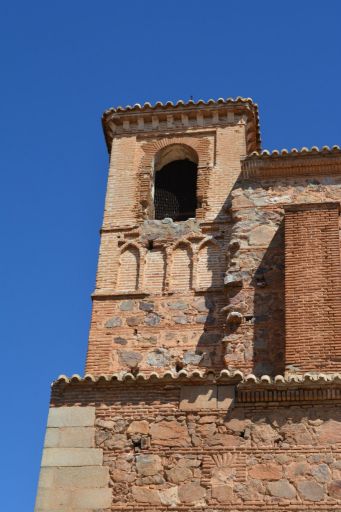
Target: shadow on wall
[[268, 309], [211, 342], [244, 328]]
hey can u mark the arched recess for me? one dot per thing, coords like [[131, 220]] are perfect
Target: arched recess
[[175, 182], [129, 269], [209, 265], [201, 145], [155, 271], [181, 267]]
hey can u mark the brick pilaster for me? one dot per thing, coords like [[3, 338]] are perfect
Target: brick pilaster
[[312, 287]]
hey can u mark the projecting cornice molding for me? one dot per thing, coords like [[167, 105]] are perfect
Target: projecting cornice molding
[[183, 116], [316, 161]]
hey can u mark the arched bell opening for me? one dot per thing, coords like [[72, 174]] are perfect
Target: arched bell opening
[[175, 185]]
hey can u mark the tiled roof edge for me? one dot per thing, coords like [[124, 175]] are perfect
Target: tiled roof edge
[[111, 115], [233, 376], [137, 107], [276, 153]]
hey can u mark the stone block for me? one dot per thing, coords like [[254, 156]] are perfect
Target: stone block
[[74, 477], [191, 493], [146, 495], [282, 489], [91, 498], [138, 427], [169, 433], [129, 358], [266, 471], [225, 396], [190, 357], [46, 477], [70, 437], [222, 493], [52, 499], [79, 477], [310, 490], [198, 397], [51, 438], [113, 322], [169, 497], [72, 457], [71, 417], [147, 464]]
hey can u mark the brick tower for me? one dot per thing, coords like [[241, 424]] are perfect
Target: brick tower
[[212, 377]]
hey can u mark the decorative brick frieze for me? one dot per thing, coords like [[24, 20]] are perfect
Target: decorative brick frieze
[[299, 394]]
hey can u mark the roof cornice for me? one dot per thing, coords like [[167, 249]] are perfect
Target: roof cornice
[[225, 376], [304, 162], [180, 116], [306, 388]]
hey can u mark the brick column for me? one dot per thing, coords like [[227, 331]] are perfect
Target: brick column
[[312, 288]]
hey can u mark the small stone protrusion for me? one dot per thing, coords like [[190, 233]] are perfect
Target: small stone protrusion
[[234, 318], [233, 279], [234, 245]]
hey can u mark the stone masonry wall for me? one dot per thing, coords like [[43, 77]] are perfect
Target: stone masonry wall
[[255, 274], [163, 452]]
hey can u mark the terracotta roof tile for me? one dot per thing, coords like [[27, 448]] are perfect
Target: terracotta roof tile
[[224, 375], [180, 103], [314, 150]]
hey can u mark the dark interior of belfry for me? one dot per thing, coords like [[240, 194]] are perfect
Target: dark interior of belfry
[[175, 190]]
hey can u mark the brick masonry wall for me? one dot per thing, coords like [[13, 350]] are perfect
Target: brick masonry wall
[[312, 287], [239, 454], [160, 290]]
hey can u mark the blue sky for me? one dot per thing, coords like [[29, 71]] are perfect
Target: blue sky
[[62, 64]]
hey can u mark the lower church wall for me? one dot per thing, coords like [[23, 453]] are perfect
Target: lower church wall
[[189, 447]]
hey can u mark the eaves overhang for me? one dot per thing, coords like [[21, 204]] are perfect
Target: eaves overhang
[[183, 116]]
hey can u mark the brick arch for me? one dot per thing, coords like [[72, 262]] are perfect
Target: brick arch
[[208, 241], [199, 144], [183, 241], [175, 152]]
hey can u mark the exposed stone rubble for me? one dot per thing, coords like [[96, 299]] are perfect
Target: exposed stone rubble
[[277, 456]]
